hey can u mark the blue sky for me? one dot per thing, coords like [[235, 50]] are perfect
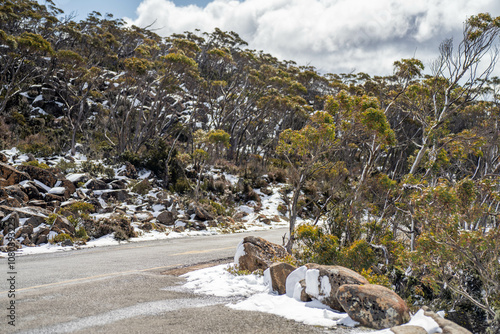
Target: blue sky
[[119, 8], [336, 36]]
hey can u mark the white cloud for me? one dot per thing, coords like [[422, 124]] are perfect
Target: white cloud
[[332, 35]]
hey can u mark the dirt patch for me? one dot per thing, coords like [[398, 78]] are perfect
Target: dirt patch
[[186, 269]]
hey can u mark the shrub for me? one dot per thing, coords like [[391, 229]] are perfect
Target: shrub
[[81, 233], [66, 166], [36, 163], [142, 188], [51, 219], [316, 246], [94, 169], [61, 237]]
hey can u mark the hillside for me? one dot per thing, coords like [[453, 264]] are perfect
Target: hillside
[[394, 176]]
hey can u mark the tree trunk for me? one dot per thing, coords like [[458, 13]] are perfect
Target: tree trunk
[[419, 156]]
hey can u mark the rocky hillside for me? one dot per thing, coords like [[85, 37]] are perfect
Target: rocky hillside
[[42, 204]]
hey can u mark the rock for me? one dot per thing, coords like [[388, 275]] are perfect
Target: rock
[[119, 195], [238, 216], [143, 216], [279, 272], [304, 297], [408, 329], [448, 327], [197, 226], [201, 214], [63, 223], [293, 282], [3, 158], [32, 191], [70, 187], [12, 202], [167, 218], [26, 240], [118, 184], [130, 171], [256, 253], [25, 229], [373, 306], [179, 229], [36, 173], [41, 236], [266, 191], [324, 281], [35, 221], [147, 226], [10, 223], [3, 182], [27, 211], [11, 246], [17, 192], [95, 184], [66, 243], [11, 175]]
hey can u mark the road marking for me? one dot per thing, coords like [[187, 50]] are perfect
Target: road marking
[[202, 251], [92, 277]]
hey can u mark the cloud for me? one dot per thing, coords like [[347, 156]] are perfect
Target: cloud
[[332, 35]]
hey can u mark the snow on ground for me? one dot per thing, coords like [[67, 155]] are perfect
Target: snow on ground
[[255, 295], [255, 216]]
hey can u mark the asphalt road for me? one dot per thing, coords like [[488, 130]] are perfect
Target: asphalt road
[[130, 288], [124, 289]]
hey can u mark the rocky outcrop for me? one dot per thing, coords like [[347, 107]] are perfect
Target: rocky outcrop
[[373, 306], [256, 253]]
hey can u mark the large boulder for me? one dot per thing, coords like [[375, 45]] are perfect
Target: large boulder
[[373, 305], [323, 282], [11, 175], [167, 218], [256, 253], [279, 272], [43, 175], [447, 326]]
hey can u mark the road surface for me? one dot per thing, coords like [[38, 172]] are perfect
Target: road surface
[[124, 289]]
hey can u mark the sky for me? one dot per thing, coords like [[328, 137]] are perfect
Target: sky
[[334, 36]]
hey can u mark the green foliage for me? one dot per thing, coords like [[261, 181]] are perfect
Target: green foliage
[[51, 219], [94, 169], [142, 188], [66, 166], [81, 233], [62, 237], [236, 271], [36, 163], [219, 137], [374, 278], [316, 246]]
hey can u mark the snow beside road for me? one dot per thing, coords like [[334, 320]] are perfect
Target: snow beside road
[[256, 296]]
